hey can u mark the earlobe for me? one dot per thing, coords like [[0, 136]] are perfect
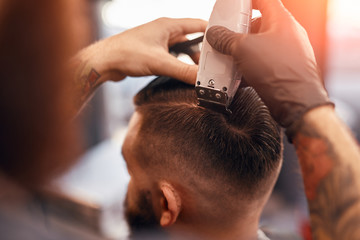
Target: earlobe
[[166, 219], [170, 205]]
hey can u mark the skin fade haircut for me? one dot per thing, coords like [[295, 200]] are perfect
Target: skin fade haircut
[[237, 155]]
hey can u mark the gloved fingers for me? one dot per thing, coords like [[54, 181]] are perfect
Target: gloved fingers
[[256, 24], [270, 9], [274, 15], [223, 39]]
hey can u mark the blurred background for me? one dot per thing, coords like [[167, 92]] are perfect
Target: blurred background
[[94, 188]]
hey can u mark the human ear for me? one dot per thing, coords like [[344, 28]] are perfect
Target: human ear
[[170, 204]]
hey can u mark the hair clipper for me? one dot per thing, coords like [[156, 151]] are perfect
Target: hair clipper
[[217, 78]]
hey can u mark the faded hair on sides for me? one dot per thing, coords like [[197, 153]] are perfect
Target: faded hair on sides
[[239, 151]]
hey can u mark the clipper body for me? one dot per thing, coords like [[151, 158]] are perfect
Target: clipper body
[[217, 78]]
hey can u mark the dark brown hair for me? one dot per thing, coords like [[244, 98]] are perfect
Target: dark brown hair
[[242, 150]]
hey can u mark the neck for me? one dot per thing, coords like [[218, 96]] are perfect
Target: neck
[[245, 228]]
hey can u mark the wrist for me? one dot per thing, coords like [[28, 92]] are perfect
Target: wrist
[[88, 57], [96, 58], [311, 117]]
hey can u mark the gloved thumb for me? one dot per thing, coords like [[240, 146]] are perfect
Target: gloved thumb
[[223, 39]]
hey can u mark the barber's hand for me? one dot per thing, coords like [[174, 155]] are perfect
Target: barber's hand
[[144, 51], [278, 62]]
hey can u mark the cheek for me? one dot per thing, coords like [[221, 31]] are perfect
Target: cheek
[[132, 197]]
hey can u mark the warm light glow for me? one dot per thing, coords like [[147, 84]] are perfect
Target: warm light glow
[[131, 13], [345, 12]]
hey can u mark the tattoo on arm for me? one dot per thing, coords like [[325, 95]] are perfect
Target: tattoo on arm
[[331, 186], [87, 79], [89, 82]]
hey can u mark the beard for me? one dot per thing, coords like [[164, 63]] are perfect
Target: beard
[[142, 220]]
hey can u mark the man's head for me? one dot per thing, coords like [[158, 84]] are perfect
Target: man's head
[[192, 167]]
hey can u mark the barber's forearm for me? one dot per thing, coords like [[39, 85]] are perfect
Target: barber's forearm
[[86, 80], [89, 72], [330, 162], [141, 51]]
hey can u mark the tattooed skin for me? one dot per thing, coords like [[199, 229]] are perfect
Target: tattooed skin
[[87, 79], [331, 180]]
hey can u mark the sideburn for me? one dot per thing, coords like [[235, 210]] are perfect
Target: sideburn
[[142, 220]]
